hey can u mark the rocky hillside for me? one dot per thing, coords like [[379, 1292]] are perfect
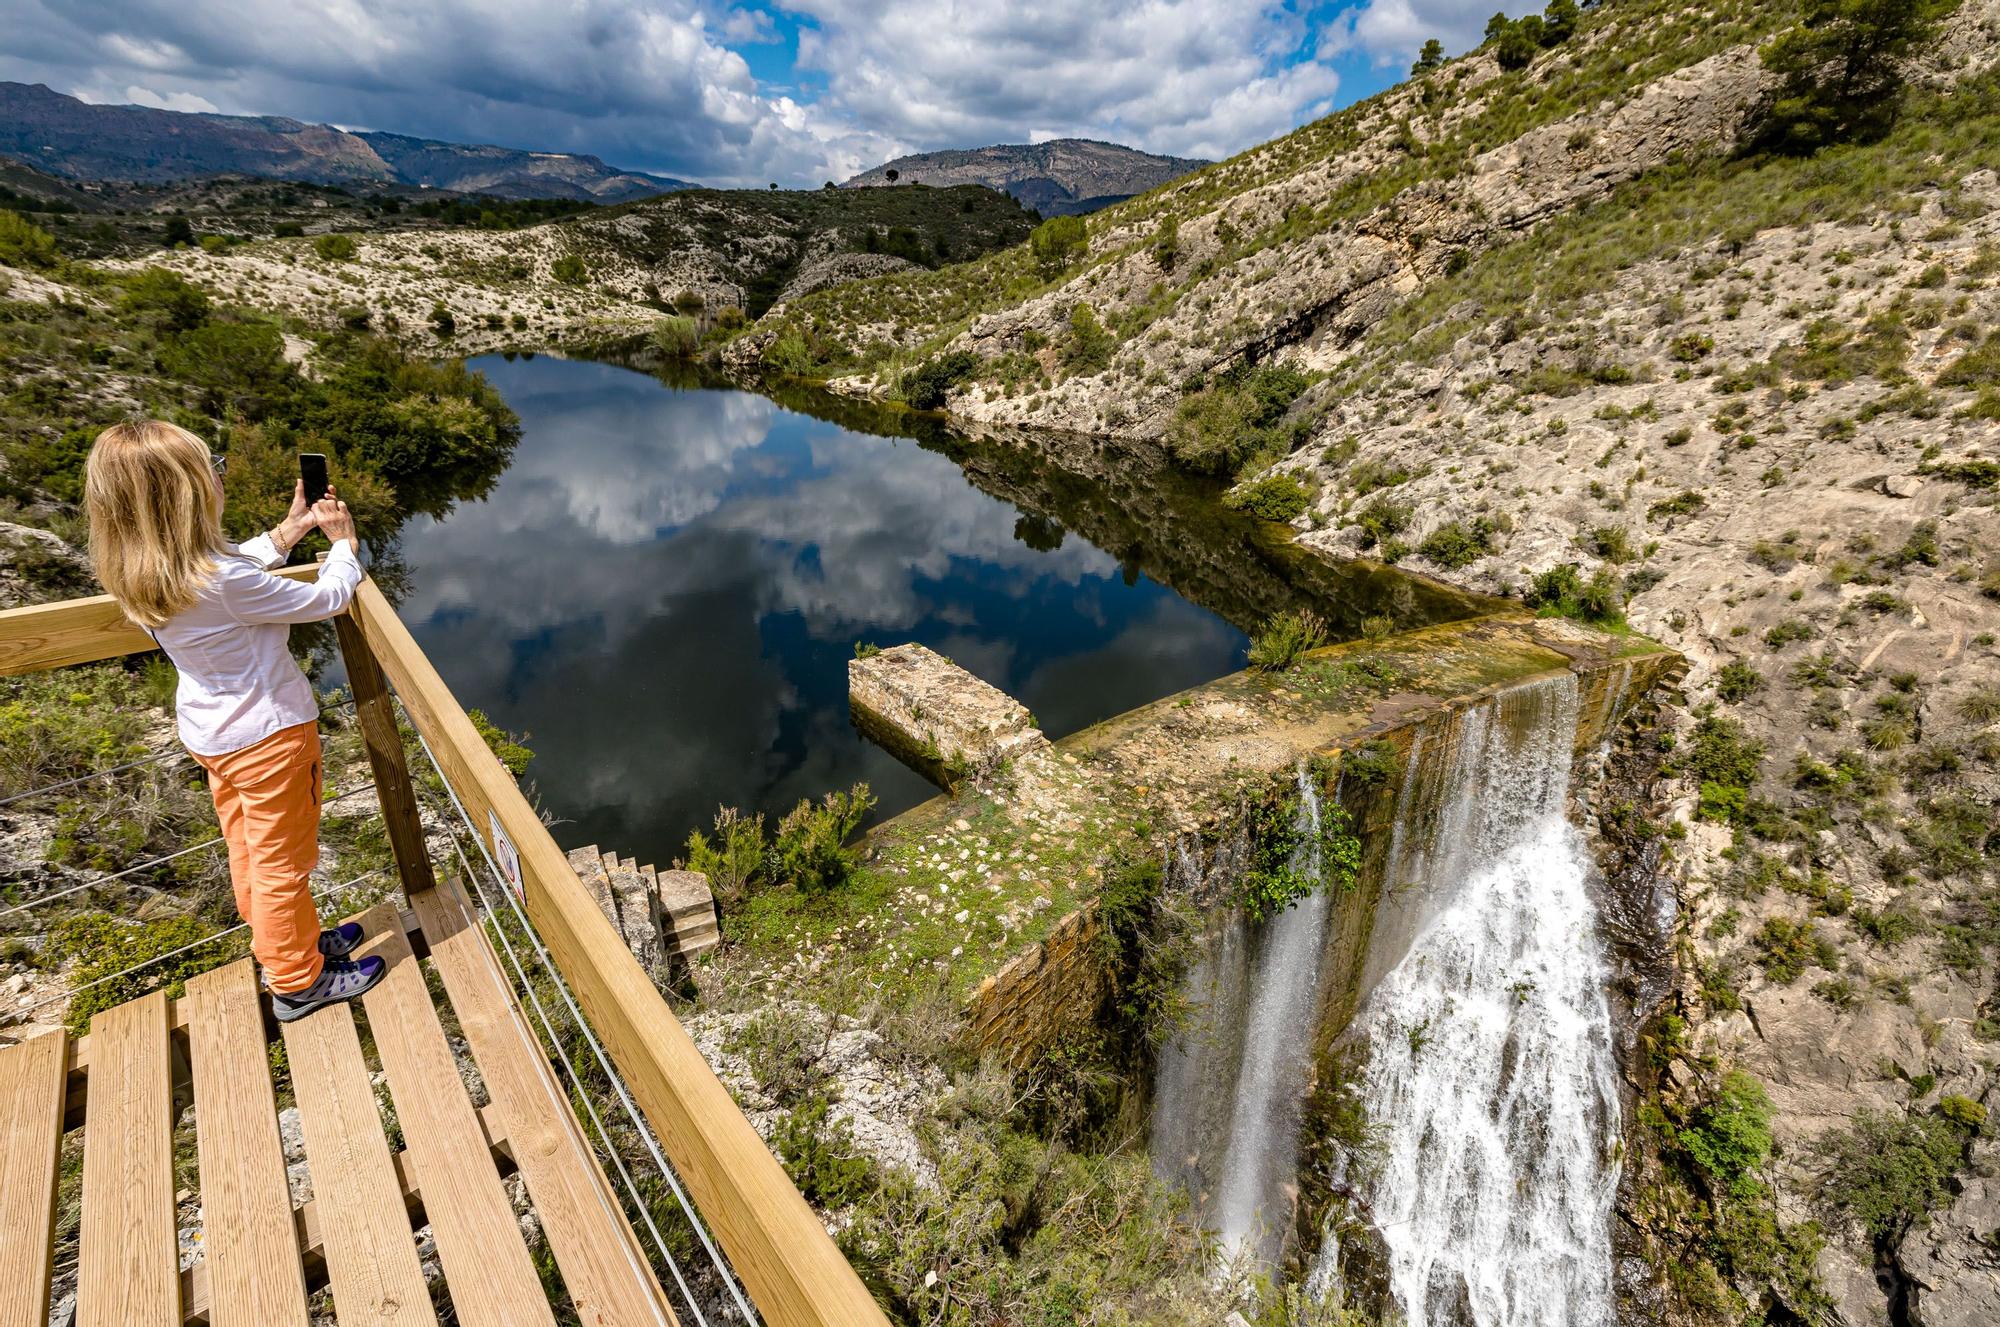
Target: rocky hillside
[[1062, 177], [81, 140], [609, 273], [1561, 327]]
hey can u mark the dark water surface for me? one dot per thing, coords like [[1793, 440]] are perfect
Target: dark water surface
[[664, 589]]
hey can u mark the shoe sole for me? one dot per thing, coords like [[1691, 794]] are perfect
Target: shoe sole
[[294, 1014]]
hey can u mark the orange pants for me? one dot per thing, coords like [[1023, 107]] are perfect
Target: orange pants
[[267, 797]]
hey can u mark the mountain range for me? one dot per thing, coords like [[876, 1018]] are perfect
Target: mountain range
[[80, 140], [1060, 177]]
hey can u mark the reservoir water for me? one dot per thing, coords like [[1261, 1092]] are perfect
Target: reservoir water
[[664, 588]]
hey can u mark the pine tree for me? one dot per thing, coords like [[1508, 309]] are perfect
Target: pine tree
[[1840, 70]]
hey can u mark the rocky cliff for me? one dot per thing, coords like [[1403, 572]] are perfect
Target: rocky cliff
[[1063, 176], [1559, 331]]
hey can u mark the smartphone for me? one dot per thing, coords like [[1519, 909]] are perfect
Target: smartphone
[[312, 469]]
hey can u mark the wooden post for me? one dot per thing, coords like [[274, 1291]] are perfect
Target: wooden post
[[377, 715]]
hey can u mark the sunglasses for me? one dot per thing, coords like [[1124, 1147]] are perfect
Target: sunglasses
[[219, 463]]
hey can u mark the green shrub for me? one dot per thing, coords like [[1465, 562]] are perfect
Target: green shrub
[[734, 860], [1167, 242], [819, 1154], [1274, 881], [927, 386], [810, 850], [1681, 504], [1840, 71], [1286, 637], [1724, 760], [678, 337], [1369, 765], [1737, 681], [508, 748], [101, 945], [1275, 497], [1382, 519], [1785, 949], [1090, 345], [1729, 1134], [1454, 544], [1241, 415], [335, 248], [24, 244], [1890, 1171], [1057, 244], [1561, 591], [569, 269]]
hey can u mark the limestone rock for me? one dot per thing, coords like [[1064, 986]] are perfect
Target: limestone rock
[[1953, 1263], [934, 714]]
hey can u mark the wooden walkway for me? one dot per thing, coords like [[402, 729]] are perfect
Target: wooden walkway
[[126, 1084]]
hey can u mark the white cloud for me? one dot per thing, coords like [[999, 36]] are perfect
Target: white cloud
[[173, 101], [655, 84], [1190, 77], [1394, 30]]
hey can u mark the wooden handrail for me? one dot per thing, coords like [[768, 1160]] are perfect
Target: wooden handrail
[[788, 1263], [79, 631]]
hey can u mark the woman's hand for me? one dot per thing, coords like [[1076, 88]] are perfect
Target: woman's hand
[[333, 518], [299, 520]]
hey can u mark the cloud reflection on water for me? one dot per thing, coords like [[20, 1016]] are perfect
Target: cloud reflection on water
[[664, 588]]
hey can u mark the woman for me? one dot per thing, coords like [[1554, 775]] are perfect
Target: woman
[[245, 710]]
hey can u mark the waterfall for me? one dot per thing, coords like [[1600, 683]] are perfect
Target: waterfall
[[1237, 1078], [1490, 1080]]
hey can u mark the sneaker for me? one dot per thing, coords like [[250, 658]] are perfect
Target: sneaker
[[339, 980], [341, 941]]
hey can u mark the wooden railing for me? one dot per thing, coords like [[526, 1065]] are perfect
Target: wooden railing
[[789, 1266]]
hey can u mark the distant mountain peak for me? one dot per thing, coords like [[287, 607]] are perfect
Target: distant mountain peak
[[1057, 176], [65, 136]]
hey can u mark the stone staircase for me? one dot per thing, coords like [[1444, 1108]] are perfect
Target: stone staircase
[[665, 916]]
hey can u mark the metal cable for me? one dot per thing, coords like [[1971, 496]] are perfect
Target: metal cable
[[604, 1061], [562, 1058], [153, 759], [173, 953], [203, 846]]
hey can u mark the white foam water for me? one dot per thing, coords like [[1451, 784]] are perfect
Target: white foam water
[[1491, 1080]]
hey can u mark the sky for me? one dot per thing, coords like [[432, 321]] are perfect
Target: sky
[[745, 92]]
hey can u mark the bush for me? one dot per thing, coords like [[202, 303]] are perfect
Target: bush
[[1561, 591], [1239, 416], [1737, 681], [24, 244], [1785, 949], [335, 248], [1275, 497], [1285, 638], [1167, 243], [506, 747], [1383, 519], [1090, 346], [926, 386], [1889, 1171], [1724, 759], [1454, 545], [569, 270], [1057, 243], [810, 850], [677, 337], [734, 860], [1729, 1136], [1840, 71]]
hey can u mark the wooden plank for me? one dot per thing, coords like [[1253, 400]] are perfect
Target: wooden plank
[[793, 1271], [80, 1049], [371, 1256], [254, 1277], [486, 1264], [603, 1267], [309, 1221], [76, 631], [31, 1107], [129, 1273], [377, 717]]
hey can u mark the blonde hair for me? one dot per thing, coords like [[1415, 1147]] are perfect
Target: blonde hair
[[155, 527]]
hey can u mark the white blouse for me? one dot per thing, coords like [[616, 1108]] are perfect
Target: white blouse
[[238, 680]]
